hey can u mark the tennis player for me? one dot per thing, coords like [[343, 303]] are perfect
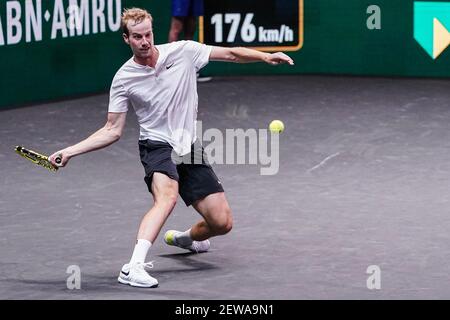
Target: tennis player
[[159, 83]]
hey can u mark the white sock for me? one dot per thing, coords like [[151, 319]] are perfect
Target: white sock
[[140, 251], [184, 238]]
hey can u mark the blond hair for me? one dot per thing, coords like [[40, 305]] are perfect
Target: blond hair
[[134, 14]]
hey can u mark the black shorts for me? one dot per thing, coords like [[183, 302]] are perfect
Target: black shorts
[[195, 176]]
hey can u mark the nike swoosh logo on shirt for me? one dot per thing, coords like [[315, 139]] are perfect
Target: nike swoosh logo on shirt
[[169, 66]]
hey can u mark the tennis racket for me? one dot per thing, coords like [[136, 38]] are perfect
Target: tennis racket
[[37, 158]]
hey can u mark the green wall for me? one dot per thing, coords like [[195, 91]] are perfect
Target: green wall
[[63, 67], [336, 41]]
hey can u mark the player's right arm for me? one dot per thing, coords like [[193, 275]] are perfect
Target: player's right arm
[[246, 55], [108, 134]]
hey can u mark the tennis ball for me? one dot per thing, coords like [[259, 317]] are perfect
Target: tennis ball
[[276, 126]]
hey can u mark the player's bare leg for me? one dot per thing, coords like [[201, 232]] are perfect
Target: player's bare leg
[[217, 216], [176, 27], [217, 220], [165, 193], [189, 27]]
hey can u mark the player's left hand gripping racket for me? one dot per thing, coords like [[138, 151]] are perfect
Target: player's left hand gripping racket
[[37, 158]]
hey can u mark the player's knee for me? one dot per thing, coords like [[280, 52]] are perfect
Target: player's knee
[[171, 199], [225, 224], [167, 200], [175, 30], [228, 226], [224, 228]]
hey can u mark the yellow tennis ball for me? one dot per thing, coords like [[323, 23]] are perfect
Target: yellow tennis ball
[[276, 126]]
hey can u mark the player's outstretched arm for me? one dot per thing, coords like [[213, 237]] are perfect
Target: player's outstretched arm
[[110, 133], [246, 55]]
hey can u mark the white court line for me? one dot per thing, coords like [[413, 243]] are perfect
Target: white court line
[[323, 162]]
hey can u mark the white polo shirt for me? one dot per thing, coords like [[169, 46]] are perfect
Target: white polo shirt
[[165, 97]]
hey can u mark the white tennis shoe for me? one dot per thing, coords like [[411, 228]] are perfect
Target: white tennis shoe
[[135, 275]]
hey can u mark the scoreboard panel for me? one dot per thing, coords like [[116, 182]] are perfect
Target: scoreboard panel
[[268, 25]]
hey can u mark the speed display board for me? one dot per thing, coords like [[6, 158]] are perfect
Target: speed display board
[[269, 25]]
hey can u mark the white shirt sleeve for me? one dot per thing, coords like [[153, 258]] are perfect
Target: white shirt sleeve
[[118, 97], [198, 52]]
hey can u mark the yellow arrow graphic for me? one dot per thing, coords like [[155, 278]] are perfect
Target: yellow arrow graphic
[[441, 38]]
